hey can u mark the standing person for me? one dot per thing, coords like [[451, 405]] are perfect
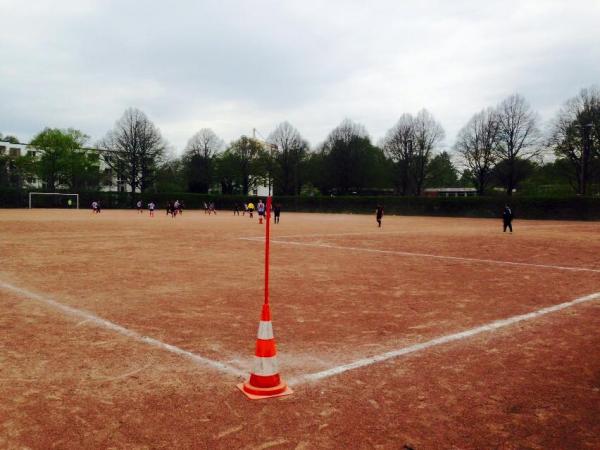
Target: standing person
[[277, 212], [151, 207], [251, 209], [245, 208], [69, 203], [507, 217], [206, 208], [211, 208], [169, 207], [98, 207], [261, 210], [139, 207], [181, 206], [176, 206], [236, 209], [379, 214], [95, 206]]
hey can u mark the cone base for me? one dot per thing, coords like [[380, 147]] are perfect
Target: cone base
[[256, 393]]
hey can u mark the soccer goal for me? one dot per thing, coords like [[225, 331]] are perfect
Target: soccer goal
[[53, 200]]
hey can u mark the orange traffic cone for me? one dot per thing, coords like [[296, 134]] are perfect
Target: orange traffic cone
[[264, 380]]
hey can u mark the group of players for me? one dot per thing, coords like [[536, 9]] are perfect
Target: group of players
[[175, 208], [260, 208]]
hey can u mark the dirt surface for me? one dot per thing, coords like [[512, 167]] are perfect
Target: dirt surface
[[342, 290]]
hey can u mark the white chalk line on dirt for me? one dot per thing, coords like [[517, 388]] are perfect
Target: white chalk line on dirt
[[103, 323], [426, 255], [441, 340], [357, 233]]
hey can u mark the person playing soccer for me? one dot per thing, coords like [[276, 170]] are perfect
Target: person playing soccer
[[211, 209], [176, 207], [251, 209], [379, 214], [171, 209], [95, 206], [139, 207], [151, 207], [277, 212], [236, 209], [206, 208], [507, 218], [260, 208]]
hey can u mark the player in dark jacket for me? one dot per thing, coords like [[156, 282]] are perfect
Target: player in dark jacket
[[379, 213], [277, 212], [507, 217]]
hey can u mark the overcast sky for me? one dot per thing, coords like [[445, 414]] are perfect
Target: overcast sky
[[237, 65]]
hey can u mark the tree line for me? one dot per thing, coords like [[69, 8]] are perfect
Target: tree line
[[501, 147]]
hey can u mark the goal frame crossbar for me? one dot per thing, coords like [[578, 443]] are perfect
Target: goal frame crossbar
[[54, 193]]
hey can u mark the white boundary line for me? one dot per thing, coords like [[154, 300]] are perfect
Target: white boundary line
[[427, 255], [441, 340], [357, 233], [103, 323], [222, 367]]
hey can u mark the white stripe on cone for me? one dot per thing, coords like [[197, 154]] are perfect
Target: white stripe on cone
[[265, 330], [265, 366]]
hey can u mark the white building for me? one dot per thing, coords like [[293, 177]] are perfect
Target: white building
[[110, 181], [259, 187], [450, 192]]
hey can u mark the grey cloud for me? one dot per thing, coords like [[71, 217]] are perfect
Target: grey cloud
[[235, 65]]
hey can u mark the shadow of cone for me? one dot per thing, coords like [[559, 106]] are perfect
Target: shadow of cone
[[265, 381]]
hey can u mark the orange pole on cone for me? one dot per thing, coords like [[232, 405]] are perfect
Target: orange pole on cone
[[264, 379]]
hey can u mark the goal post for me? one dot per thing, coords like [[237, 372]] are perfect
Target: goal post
[[56, 194]]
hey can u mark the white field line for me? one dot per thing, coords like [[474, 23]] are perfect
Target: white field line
[[358, 233], [441, 340], [103, 323], [427, 255]]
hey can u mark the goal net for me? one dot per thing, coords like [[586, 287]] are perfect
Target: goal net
[[53, 200]]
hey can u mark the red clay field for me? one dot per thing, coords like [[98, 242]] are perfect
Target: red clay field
[[118, 330]]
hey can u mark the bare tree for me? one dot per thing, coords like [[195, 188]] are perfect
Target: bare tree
[[576, 135], [410, 144], [291, 150], [199, 157], [346, 132], [137, 149], [204, 143], [398, 145], [477, 142], [428, 133], [518, 136]]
